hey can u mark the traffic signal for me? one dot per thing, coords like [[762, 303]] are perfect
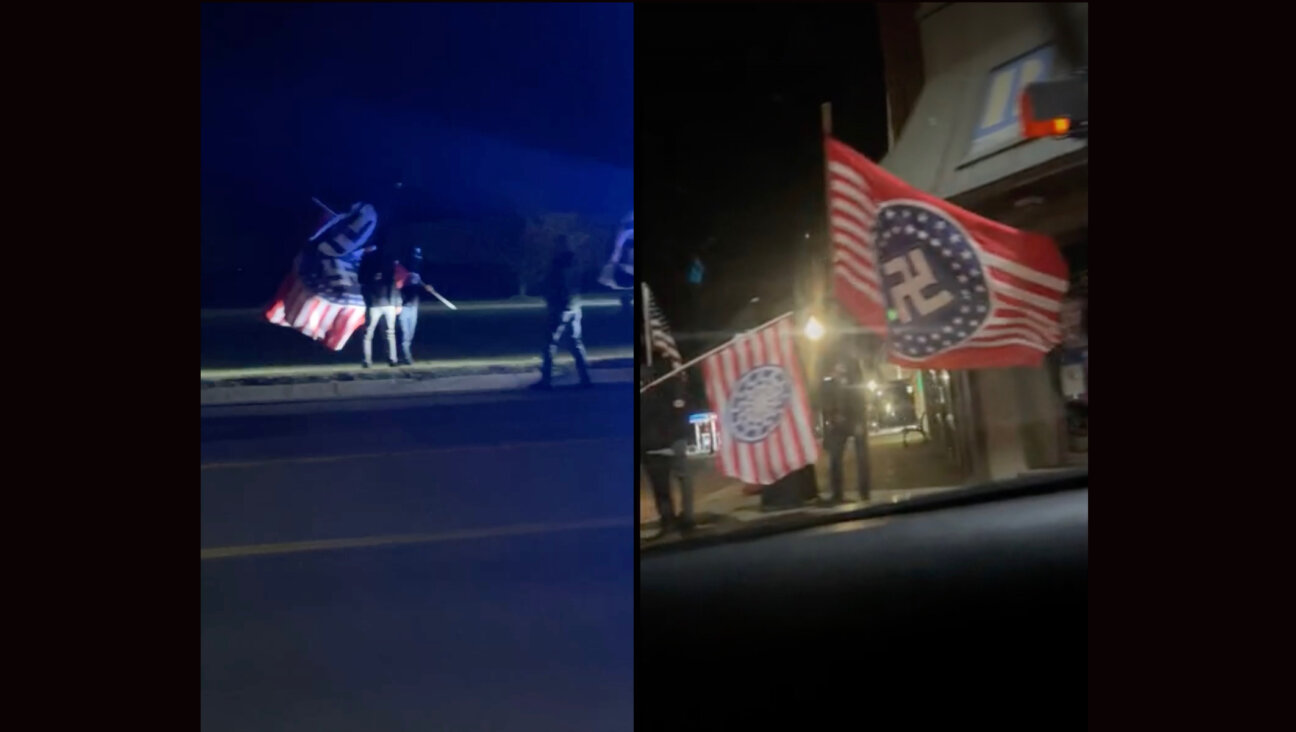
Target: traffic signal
[[1056, 108]]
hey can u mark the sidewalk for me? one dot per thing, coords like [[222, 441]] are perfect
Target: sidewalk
[[898, 473], [259, 385]]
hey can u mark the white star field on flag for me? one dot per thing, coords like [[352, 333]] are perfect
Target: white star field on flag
[[934, 272]]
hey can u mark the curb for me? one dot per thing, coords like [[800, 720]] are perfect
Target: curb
[[369, 388]]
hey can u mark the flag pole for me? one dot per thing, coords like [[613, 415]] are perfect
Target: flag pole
[[715, 350], [862, 472], [321, 204], [825, 130], [647, 305]]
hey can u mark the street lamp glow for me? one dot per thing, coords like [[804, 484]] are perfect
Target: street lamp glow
[[814, 330]]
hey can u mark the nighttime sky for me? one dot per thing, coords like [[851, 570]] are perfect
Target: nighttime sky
[[727, 115], [513, 107]]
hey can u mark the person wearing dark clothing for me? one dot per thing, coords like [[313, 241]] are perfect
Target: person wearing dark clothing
[[663, 440], [378, 285], [410, 294], [843, 413], [562, 299]]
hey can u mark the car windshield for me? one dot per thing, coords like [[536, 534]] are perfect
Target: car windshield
[[868, 277]]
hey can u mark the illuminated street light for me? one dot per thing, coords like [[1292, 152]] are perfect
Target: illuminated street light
[[814, 330]]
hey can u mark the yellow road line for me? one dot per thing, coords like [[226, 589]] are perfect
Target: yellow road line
[[403, 453], [253, 550]]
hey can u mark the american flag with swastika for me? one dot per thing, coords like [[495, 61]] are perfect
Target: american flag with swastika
[[658, 337], [320, 297], [756, 387], [962, 292]]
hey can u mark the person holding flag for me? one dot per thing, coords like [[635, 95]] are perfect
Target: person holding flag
[[664, 420], [663, 440], [409, 280], [378, 284], [842, 407]]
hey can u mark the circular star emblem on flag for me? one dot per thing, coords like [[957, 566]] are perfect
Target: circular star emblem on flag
[[757, 403], [934, 282]]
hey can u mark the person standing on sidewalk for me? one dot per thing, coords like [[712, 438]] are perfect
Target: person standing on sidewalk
[[410, 293], [663, 435], [843, 414], [562, 299], [378, 285]]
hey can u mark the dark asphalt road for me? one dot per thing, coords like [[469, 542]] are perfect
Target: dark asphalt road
[[239, 339], [423, 605]]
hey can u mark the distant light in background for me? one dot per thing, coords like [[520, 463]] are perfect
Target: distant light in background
[[814, 330], [872, 385]]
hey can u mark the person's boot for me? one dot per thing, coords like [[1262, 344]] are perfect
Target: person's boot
[[664, 530], [582, 364], [546, 374]]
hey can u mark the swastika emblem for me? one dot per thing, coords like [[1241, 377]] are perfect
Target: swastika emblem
[[758, 402], [933, 279]]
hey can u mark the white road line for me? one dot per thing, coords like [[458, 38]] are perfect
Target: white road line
[[252, 550]]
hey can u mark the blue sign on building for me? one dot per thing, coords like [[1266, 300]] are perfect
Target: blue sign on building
[[999, 123]]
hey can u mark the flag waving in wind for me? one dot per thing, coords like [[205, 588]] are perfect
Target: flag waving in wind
[[657, 333], [948, 288], [320, 297], [755, 386]]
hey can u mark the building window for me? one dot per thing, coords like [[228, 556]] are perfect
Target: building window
[[998, 126]]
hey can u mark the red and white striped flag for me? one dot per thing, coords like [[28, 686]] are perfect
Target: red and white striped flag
[[950, 289], [755, 386], [658, 334], [320, 297]]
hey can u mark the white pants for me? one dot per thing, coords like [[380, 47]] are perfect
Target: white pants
[[388, 314]]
